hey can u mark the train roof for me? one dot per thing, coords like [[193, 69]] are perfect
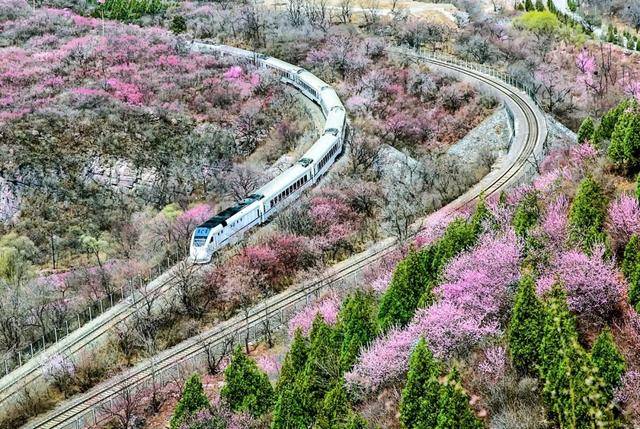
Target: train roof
[[311, 80], [224, 215], [321, 147], [283, 180]]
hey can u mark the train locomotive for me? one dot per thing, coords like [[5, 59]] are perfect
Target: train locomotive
[[229, 225]]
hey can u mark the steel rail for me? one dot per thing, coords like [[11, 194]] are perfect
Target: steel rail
[[75, 412]]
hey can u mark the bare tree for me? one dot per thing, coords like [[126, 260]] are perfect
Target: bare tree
[[346, 11], [295, 12], [126, 410], [363, 152], [242, 181], [216, 352], [318, 14], [371, 12]]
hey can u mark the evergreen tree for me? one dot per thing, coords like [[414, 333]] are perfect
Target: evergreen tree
[[624, 149], [559, 331], [552, 7], [638, 178], [453, 405], [419, 402], [526, 328], [528, 6], [520, 7], [246, 388], [322, 369], [587, 214], [178, 24], [355, 421], [631, 269], [335, 409], [609, 362], [294, 362], [291, 409], [585, 133], [539, 6], [526, 214], [609, 121], [410, 279], [192, 400], [359, 326]]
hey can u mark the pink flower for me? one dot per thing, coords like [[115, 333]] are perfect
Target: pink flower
[[327, 307], [624, 219], [269, 364]]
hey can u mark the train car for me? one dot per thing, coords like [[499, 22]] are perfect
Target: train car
[[230, 225]]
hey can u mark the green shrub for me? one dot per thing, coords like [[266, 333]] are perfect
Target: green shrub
[[624, 149], [246, 388], [525, 329], [419, 402], [585, 133], [453, 404], [129, 10], [192, 400], [609, 362], [359, 326], [587, 214]]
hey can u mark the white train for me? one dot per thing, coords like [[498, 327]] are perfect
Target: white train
[[229, 225]]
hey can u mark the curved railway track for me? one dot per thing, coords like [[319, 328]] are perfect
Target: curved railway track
[[530, 135]]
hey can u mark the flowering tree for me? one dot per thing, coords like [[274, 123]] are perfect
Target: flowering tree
[[623, 220], [327, 308]]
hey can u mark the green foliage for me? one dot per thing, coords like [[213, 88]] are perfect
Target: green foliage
[[525, 329], [413, 280], [129, 10], [290, 410], [16, 252], [294, 362], [410, 280], [609, 362], [540, 6], [178, 24], [453, 404], [552, 7], [246, 388], [559, 331], [538, 22], [624, 149], [638, 186], [528, 5], [322, 369], [418, 405], [335, 408], [526, 214], [192, 400], [573, 5], [631, 269], [609, 121], [587, 128], [587, 214], [359, 326], [355, 421]]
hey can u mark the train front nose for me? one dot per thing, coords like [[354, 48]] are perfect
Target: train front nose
[[199, 255]]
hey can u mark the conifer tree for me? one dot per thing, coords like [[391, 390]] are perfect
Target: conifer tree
[[526, 214], [399, 302], [525, 329], [453, 405], [624, 149], [587, 214], [539, 6], [359, 326], [322, 368], [246, 388], [609, 362], [294, 362], [291, 409], [638, 178], [528, 6], [559, 331], [585, 133], [631, 270], [419, 402], [609, 121], [355, 421], [192, 400], [552, 8], [335, 408]]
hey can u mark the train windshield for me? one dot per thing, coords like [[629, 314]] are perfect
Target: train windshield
[[200, 237]]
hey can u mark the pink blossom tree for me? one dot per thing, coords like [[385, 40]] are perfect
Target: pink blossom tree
[[623, 220]]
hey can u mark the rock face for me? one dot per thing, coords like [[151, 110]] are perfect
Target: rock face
[[489, 140], [9, 201]]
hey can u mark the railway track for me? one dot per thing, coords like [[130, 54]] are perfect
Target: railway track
[[530, 135]]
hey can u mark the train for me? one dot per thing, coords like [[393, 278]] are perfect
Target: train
[[228, 226]]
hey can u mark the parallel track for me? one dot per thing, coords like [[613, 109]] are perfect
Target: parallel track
[[77, 411]]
